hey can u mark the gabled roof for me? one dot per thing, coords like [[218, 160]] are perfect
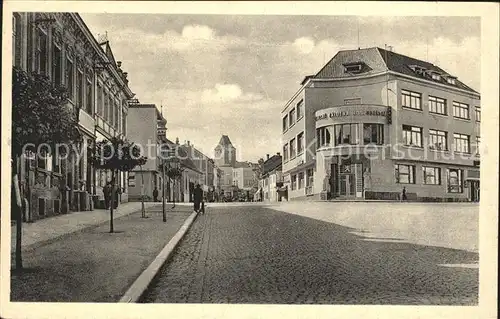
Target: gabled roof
[[379, 61], [273, 163], [183, 154], [109, 53]]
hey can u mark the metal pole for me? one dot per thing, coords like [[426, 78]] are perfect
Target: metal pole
[[163, 191], [143, 211]]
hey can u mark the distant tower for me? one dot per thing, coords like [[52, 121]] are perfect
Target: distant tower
[[225, 152]]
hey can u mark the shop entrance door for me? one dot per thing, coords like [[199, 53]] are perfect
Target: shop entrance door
[[347, 185]]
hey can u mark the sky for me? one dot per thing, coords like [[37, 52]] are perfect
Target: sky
[[232, 74]]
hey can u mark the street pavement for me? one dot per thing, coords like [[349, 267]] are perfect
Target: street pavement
[[89, 264], [252, 254]]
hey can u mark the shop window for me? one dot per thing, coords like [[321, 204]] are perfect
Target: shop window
[[461, 143], [437, 105], [294, 182], [301, 180], [323, 137], [346, 134], [461, 110], [412, 136], [438, 140], [373, 134], [411, 100], [405, 174], [431, 175], [310, 177], [455, 180]]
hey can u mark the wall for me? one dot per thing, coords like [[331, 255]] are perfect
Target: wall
[[142, 133]]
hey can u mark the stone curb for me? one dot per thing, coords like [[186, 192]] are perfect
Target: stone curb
[[135, 292]]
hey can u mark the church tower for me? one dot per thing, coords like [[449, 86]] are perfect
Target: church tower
[[225, 153]]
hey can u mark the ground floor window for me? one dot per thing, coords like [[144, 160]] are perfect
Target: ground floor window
[[294, 182], [405, 174], [432, 175], [455, 180], [301, 180], [310, 177]]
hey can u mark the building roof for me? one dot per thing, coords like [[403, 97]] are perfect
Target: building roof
[[224, 140], [376, 60], [183, 154], [273, 163]]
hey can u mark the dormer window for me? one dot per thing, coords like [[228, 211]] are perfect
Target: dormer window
[[355, 67], [451, 80], [418, 69], [436, 76]]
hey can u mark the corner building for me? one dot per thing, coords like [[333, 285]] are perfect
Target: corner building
[[372, 121]]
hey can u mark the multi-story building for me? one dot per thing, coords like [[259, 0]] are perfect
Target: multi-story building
[[271, 181], [60, 46], [372, 122], [146, 127]]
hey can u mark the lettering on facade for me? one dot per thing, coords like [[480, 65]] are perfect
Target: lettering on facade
[[334, 114]]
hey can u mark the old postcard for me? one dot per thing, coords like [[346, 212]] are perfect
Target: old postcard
[[249, 159]]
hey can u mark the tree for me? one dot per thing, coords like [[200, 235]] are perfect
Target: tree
[[41, 116], [173, 170], [116, 155]]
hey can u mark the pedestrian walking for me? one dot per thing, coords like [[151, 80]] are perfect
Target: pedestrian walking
[[117, 197], [198, 198], [404, 193], [155, 194]]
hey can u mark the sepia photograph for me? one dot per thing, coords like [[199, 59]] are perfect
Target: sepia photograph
[[164, 156]]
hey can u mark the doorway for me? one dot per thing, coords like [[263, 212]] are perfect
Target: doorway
[[474, 188]]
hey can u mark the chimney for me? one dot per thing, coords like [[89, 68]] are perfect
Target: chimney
[[267, 155], [119, 63], [177, 140], [189, 143], [278, 154]]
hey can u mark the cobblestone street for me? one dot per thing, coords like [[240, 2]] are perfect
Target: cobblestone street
[[259, 255]]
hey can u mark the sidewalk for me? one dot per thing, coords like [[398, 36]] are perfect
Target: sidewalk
[[53, 227], [83, 262]]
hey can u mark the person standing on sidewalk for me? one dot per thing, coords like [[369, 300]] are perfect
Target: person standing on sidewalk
[[404, 194], [198, 198], [155, 195]]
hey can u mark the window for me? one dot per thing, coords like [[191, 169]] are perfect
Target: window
[[346, 134], [478, 140], [80, 88], [373, 134], [285, 123], [322, 137], [411, 100], [285, 152], [300, 143], [356, 100], [300, 109], [461, 110], [110, 109], [16, 40], [294, 182], [293, 151], [438, 140], [461, 143], [432, 175], [106, 106], [436, 76], [41, 53], [89, 105], [124, 123], [455, 180], [56, 65], [69, 77], [451, 80], [116, 115], [310, 177], [291, 117], [412, 136], [42, 159], [100, 106], [354, 68], [405, 174], [301, 180], [478, 114], [437, 105]]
